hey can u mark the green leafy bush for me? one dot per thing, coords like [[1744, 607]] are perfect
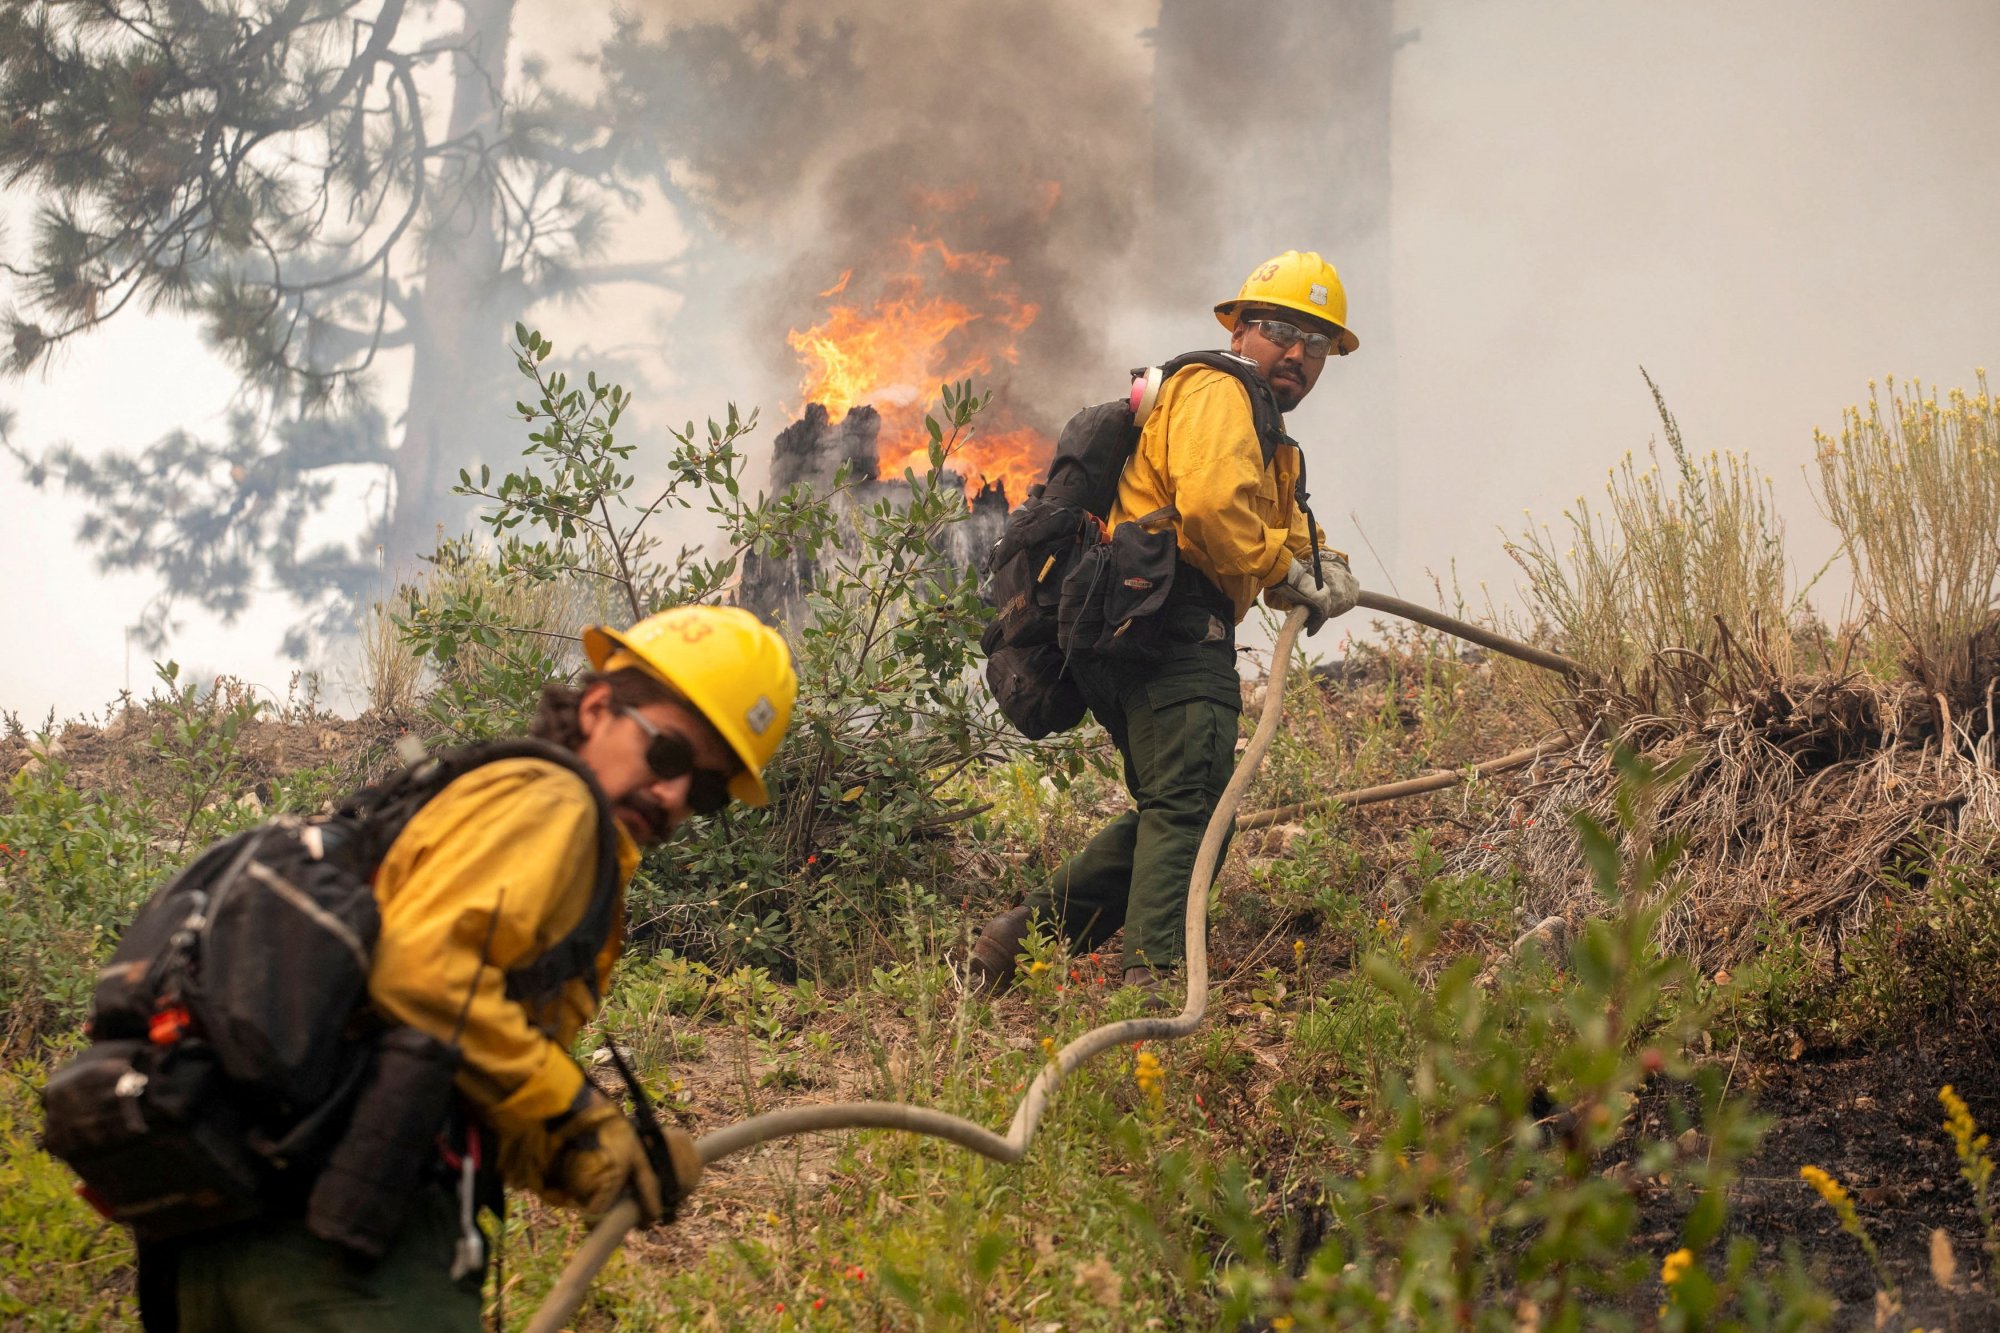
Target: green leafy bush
[[1480, 1198], [889, 711], [1927, 959]]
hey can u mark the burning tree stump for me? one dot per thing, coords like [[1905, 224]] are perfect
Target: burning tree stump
[[813, 450]]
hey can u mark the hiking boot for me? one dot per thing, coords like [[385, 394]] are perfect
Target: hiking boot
[[991, 967], [1156, 986]]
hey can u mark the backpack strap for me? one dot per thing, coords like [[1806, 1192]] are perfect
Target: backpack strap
[[382, 811], [1265, 417], [1264, 413]]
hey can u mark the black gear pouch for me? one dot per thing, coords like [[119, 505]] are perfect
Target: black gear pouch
[[1080, 616], [1140, 579], [391, 1143], [158, 1143], [1025, 569], [1112, 601], [1033, 690]]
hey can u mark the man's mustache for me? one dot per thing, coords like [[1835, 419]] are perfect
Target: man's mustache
[[651, 811]]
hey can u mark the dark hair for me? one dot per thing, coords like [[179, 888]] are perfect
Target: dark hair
[[556, 714]]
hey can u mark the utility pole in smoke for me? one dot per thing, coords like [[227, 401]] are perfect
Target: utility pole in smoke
[[1271, 132]]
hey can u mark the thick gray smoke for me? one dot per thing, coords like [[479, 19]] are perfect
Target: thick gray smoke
[[1128, 161], [1017, 131]]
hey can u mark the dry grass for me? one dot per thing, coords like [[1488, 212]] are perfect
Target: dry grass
[[1801, 790], [550, 610], [1914, 488], [390, 670], [1797, 799], [1676, 597]]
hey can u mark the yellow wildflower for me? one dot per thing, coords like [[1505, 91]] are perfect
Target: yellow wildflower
[[1975, 1163], [1677, 1265], [1283, 1322], [1837, 1198], [1150, 1075], [1049, 1049], [1959, 1124], [1828, 1188], [1036, 968]]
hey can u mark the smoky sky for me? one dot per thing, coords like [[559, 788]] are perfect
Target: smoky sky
[[1765, 205], [1017, 130], [1130, 161]]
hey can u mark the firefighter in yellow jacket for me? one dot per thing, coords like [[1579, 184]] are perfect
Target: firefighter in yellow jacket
[[680, 714], [1240, 531]]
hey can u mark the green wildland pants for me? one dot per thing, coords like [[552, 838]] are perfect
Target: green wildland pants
[[1173, 719], [274, 1276]]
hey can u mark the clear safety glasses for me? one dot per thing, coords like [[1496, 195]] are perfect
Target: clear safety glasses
[[1286, 336]]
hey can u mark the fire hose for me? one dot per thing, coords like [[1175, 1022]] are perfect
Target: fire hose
[[568, 1293]]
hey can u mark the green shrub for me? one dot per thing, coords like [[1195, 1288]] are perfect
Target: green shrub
[[78, 863], [1480, 1198], [890, 711]]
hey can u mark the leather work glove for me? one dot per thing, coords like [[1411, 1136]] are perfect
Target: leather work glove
[[596, 1156], [1336, 596]]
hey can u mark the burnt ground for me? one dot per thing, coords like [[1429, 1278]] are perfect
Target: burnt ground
[[1872, 1121]]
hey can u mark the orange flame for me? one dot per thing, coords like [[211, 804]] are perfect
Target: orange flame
[[940, 315]]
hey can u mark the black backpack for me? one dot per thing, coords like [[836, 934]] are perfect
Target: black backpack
[[230, 1033], [1059, 529]]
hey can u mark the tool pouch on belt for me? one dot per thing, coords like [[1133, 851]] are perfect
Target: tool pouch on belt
[[159, 1144], [390, 1145], [1112, 599]]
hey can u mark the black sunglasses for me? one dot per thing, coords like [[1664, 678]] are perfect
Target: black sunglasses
[[670, 755]]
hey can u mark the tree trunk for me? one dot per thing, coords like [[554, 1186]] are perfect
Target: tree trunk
[[458, 400]]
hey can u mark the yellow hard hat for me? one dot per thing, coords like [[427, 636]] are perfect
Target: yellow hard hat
[[735, 671], [1297, 280]]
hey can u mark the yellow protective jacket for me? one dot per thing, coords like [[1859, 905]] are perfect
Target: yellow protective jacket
[[1240, 522], [491, 873]]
